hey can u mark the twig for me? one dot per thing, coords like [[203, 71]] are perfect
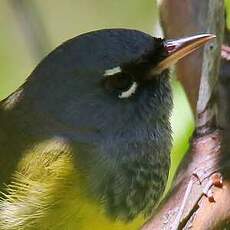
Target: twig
[[184, 18]]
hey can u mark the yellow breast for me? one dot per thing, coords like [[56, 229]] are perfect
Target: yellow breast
[[77, 212], [46, 193]]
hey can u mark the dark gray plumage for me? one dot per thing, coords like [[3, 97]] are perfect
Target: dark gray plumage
[[122, 145]]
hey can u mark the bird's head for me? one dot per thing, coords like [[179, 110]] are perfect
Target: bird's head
[[108, 76]]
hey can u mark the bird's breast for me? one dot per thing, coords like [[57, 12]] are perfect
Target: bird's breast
[[127, 175]]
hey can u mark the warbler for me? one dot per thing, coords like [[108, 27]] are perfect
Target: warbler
[[85, 141]]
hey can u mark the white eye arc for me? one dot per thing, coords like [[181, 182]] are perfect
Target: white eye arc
[[113, 71], [129, 92]]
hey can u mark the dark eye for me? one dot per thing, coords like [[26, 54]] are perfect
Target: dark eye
[[119, 81]]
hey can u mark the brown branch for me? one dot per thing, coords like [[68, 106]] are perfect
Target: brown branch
[[203, 160], [184, 18], [198, 73]]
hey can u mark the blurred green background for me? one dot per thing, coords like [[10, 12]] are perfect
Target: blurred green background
[[30, 29], [227, 6]]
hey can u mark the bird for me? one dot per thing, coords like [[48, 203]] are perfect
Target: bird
[[85, 141]]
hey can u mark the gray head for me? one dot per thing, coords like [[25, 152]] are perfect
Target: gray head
[[101, 78]]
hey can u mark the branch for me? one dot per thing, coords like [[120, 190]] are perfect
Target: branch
[[199, 76], [183, 18]]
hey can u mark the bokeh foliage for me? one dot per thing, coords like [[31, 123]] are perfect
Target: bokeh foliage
[[227, 5]]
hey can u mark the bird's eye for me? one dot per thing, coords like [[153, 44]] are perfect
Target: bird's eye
[[118, 81], [121, 83]]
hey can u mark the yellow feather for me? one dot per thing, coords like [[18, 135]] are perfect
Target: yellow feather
[[46, 192]]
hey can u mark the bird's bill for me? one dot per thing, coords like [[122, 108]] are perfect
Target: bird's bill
[[180, 48]]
